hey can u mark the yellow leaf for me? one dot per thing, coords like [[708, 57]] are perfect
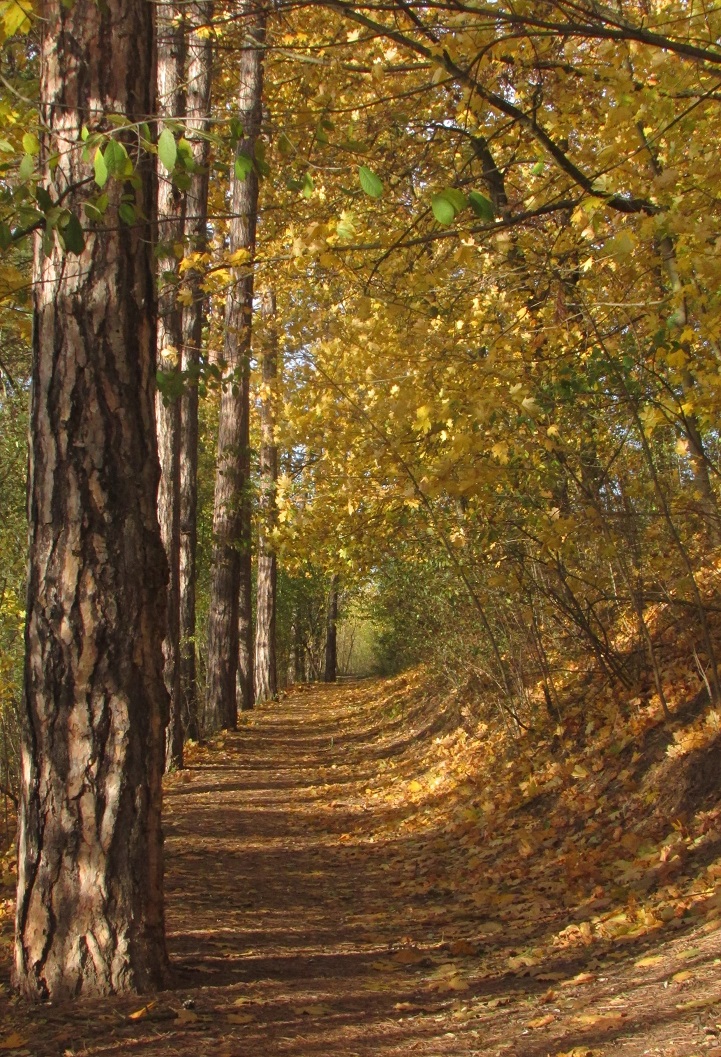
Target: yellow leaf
[[240, 1018], [698, 1003], [650, 959], [541, 1022], [415, 787], [600, 1022], [140, 1013], [15, 18]]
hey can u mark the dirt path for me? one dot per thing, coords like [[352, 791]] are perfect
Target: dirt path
[[309, 915]]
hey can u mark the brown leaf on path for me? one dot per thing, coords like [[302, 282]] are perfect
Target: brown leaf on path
[[313, 1010], [13, 1042], [186, 1016], [409, 956], [463, 948], [240, 1018]]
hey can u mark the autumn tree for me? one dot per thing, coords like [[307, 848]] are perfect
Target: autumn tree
[[230, 639], [266, 676], [90, 900], [170, 48], [197, 131]]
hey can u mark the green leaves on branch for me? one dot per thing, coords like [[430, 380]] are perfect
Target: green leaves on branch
[[167, 149], [113, 161], [243, 166], [447, 204], [481, 206], [305, 185], [370, 183]]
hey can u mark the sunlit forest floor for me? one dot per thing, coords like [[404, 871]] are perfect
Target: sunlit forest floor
[[365, 870]]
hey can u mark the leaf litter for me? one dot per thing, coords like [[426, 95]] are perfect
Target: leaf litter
[[363, 869]]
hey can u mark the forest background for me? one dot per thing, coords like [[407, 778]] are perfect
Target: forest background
[[444, 284]]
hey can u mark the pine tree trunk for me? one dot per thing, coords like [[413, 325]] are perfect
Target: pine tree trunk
[[266, 679], [171, 216], [199, 59], [90, 891], [330, 672], [231, 513]]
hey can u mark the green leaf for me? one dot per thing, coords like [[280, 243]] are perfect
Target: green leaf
[[167, 149], [100, 168], [6, 147], [42, 196], [447, 204], [92, 212], [236, 130], [26, 167], [321, 136], [127, 212], [285, 146], [457, 199], [73, 236], [185, 154], [243, 166], [117, 162], [31, 143], [481, 206], [538, 168], [370, 183], [443, 209], [308, 186], [6, 235]]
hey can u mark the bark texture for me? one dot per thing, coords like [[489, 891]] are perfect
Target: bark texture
[[266, 678], [90, 892], [171, 218], [227, 642], [199, 59]]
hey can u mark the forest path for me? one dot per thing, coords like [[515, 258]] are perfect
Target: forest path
[[317, 907]]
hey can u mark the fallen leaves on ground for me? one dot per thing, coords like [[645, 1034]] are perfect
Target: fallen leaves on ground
[[355, 871]]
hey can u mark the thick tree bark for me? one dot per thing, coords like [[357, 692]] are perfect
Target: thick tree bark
[[171, 216], [231, 514], [266, 678], [199, 58], [90, 890], [330, 671]]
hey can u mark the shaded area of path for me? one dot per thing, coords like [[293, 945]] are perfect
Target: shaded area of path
[[306, 917]]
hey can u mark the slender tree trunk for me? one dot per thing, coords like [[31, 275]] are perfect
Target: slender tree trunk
[[199, 58], [266, 680], [330, 673], [231, 515], [171, 216], [90, 890]]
